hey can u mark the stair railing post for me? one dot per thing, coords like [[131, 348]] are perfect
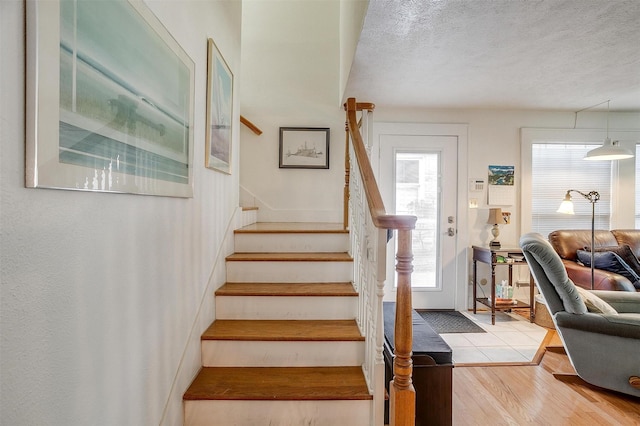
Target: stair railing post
[[402, 400]]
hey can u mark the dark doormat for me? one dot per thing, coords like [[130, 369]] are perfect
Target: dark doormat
[[449, 322]]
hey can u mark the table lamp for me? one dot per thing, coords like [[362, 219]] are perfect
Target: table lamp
[[495, 217]]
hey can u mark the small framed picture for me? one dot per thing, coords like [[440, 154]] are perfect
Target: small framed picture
[[304, 147], [506, 218]]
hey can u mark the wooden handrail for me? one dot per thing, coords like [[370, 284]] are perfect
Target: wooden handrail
[[402, 392], [374, 199], [250, 125]]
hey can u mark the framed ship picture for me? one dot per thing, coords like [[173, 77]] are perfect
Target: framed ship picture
[[304, 147]]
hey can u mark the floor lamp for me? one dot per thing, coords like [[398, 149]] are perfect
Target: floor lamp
[[567, 208]]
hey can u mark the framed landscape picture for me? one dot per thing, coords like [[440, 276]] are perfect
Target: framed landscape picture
[[304, 148], [219, 111], [109, 100]]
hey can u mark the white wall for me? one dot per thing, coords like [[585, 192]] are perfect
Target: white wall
[[290, 72], [293, 63], [494, 138], [104, 296], [291, 78], [352, 13]]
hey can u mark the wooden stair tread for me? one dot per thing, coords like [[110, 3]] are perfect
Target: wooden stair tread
[[284, 330], [287, 289], [279, 384], [292, 257], [292, 228]]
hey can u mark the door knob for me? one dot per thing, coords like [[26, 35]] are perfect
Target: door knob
[[451, 232]]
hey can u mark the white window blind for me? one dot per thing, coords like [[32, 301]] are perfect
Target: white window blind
[[557, 167]]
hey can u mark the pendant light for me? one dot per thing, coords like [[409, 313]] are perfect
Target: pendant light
[[610, 150]]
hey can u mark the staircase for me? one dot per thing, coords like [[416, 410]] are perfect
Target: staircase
[[284, 348]]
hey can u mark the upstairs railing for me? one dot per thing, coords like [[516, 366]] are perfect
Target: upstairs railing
[[369, 225]]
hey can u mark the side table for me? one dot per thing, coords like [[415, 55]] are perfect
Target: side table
[[489, 255]]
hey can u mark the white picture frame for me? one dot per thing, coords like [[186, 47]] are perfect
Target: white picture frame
[[110, 100]]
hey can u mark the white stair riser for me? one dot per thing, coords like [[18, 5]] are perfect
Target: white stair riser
[[249, 217], [235, 353], [286, 307], [289, 272], [290, 243], [277, 413]]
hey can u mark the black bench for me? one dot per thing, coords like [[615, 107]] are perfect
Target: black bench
[[432, 369]]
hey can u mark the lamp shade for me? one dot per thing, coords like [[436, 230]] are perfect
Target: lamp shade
[[495, 216], [610, 150], [566, 207]]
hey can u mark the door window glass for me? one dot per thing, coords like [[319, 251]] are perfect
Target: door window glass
[[417, 193]]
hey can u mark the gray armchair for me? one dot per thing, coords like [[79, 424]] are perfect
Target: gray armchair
[[603, 348]]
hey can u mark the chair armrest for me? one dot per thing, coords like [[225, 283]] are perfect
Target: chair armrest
[[622, 325], [602, 280], [621, 301]]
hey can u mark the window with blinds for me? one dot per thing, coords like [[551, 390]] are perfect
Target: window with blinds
[[556, 168]]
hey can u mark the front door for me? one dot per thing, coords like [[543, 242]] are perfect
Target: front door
[[418, 175]]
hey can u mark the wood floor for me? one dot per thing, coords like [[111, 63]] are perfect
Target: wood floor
[[530, 395]]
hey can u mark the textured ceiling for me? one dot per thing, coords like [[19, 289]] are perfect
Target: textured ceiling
[[515, 54]]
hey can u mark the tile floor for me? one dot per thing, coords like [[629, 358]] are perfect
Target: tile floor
[[512, 339]]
